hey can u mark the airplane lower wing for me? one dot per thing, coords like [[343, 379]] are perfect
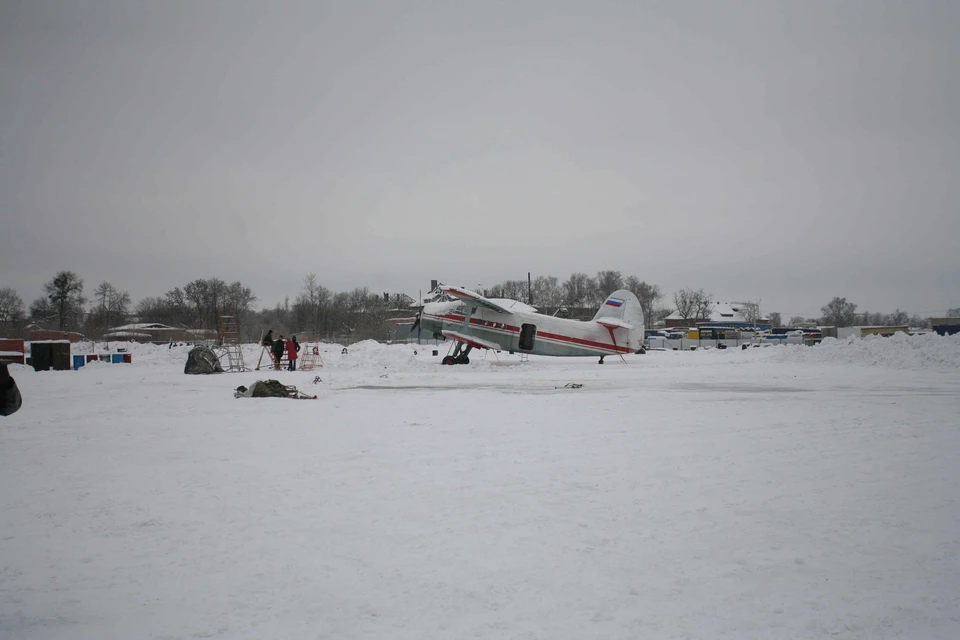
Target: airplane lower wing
[[473, 341], [614, 323]]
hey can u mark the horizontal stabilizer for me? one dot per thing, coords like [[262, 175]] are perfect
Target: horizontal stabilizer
[[614, 323], [473, 341]]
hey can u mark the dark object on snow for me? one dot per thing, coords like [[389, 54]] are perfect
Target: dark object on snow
[[201, 360], [50, 355], [10, 399], [266, 389], [270, 389]]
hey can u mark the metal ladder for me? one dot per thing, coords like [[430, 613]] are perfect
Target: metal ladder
[[230, 343]]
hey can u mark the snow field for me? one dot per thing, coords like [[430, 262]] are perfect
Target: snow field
[[771, 492]]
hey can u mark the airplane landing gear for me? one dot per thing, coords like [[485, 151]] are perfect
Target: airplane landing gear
[[601, 359], [459, 355]]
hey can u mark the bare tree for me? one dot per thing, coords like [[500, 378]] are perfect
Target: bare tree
[[111, 307], [692, 304], [775, 319], [750, 311], [42, 311], [11, 310], [607, 283], [547, 293], [314, 299], [512, 289], [156, 310], [796, 321], [579, 290], [953, 313], [238, 300], [197, 294], [647, 294], [178, 308], [898, 318], [660, 315], [65, 293], [839, 313]]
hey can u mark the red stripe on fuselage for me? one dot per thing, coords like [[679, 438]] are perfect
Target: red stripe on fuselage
[[587, 343], [540, 334]]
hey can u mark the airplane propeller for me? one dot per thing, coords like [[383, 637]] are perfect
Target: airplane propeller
[[416, 324]]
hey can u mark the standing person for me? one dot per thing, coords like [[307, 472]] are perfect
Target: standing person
[[10, 399], [296, 344], [278, 346], [292, 348]]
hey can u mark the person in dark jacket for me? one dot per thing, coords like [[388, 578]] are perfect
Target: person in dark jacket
[[278, 346], [292, 348], [268, 339], [10, 399]]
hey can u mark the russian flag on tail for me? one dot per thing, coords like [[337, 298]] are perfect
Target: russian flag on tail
[[613, 302]]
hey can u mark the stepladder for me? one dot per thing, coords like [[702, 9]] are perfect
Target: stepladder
[[310, 357], [271, 359], [230, 343]]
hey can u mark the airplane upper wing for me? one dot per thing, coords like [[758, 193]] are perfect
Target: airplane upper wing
[[469, 296]]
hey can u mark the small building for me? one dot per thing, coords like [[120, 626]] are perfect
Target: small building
[[13, 351], [158, 333], [864, 331], [37, 333], [720, 315], [945, 326]]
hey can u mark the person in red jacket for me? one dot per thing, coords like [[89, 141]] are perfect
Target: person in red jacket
[[292, 348]]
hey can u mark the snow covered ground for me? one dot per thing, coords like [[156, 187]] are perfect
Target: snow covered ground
[[782, 492]]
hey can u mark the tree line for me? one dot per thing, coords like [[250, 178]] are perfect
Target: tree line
[[839, 312], [361, 313], [581, 291]]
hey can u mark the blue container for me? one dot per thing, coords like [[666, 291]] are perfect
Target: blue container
[[79, 361], [116, 357]]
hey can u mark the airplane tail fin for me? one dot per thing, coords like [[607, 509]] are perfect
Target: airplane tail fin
[[624, 306]]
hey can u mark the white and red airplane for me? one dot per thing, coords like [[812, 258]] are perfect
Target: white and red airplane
[[476, 322]]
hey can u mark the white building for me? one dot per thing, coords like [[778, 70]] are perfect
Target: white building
[[729, 313]]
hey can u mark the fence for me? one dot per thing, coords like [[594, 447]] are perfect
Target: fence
[[659, 343]]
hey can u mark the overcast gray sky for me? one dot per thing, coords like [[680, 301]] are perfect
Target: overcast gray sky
[[789, 151]]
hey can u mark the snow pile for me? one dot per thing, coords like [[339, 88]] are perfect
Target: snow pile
[[370, 354], [900, 351]]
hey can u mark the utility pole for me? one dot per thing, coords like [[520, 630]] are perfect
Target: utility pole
[[529, 290]]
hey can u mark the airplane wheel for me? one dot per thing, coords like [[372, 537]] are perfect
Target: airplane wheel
[[463, 360], [448, 360]]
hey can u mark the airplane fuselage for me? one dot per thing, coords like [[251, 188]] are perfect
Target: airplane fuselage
[[528, 332]]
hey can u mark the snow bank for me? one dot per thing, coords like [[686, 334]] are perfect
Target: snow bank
[[370, 354], [900, 351]]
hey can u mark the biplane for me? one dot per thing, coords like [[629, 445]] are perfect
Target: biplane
[[500, 324]]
